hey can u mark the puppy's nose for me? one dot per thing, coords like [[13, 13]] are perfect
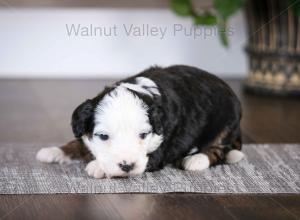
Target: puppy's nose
[[126, 167]]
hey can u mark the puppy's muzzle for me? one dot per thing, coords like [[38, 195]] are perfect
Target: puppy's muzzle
[[126, 167]]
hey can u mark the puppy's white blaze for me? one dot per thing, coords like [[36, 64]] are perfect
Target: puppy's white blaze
[[196, 162], [154, 91], [149, 84], [52, 155], [143, 81], [234, 156], [143, 85], [137, 88], [121, 110]]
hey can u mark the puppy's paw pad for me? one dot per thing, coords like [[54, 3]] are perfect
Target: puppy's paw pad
[[234, 156], [196, 162], [52, 155], [94, 170]]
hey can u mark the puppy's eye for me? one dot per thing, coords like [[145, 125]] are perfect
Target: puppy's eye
[[103, 137], [143, 135]]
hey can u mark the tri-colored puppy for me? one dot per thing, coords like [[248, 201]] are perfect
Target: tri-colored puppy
[[177, 115]]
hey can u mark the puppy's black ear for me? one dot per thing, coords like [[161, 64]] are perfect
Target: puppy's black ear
[[82, 118], [156, 118]]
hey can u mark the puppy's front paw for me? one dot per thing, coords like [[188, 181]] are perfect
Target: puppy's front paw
[[94, 169], [234, 156], [196, 162], [52, 155]]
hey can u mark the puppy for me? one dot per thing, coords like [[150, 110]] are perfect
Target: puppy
[[178, 115]]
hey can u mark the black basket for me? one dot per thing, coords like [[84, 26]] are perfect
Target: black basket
[[273, 48]]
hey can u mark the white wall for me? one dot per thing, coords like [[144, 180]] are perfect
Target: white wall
[[35, 43]]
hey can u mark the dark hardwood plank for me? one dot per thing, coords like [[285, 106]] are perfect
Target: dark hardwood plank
[[269, 119], [150, 206], [272, 120], [68, 206], [39, 111], [168, 206], [256, 207], [291, 203]]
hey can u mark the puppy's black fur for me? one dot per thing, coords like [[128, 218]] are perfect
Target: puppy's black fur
[[195, 109]]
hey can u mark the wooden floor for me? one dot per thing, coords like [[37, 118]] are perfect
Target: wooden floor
[[39, 111]]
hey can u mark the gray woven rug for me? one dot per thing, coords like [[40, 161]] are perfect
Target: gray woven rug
[[266, 169]]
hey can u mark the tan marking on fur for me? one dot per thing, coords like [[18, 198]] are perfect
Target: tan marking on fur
[[215, 154], [237, 145], [220, 137], [76, 149]]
